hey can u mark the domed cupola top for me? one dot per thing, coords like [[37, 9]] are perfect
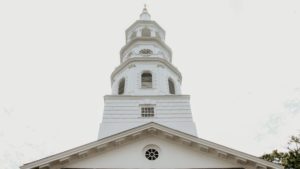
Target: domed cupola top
[[145, 15]]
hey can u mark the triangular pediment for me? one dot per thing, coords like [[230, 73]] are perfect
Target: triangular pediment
[[127, 150]]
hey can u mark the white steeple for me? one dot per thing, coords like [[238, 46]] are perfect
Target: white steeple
[[146, 86]]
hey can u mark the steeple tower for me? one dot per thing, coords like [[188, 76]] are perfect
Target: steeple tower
[[146, 86]]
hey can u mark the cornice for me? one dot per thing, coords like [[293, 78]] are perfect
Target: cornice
[[144, 22], [77, 150], [139, 97], [145, 59], [152, 129], [145, 39]]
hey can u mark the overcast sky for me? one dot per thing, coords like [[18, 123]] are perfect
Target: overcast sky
[[240, 62]]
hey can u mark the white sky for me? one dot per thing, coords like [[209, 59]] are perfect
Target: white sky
[[240, 62]]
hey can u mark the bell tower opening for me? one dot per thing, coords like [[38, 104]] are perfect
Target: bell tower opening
[[146, 32], [171, 86], [146, 80], [121, 88]]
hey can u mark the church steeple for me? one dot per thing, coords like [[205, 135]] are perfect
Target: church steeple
[[146, 86], [145, 41]]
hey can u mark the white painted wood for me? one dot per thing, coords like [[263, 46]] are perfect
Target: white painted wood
[[171, 155], [123, 113], [125, 136], [150, 130]]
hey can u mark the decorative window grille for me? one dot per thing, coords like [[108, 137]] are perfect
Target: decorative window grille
[[151, 154], [146, 80], [145, 52], [147, 111]]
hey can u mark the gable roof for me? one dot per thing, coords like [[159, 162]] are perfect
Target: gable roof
[[149, 129]]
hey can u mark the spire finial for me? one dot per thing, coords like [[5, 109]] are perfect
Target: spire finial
[[145, 15], [145, 8]]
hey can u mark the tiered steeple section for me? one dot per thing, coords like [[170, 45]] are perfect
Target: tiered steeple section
[[145, 34], [146, 87]]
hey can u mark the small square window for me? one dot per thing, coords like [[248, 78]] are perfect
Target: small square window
[[147, 111]]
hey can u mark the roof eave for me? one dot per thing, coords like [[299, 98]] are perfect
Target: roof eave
[[150, 127]]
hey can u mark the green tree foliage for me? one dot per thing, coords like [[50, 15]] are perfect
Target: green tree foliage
[[289, 159]]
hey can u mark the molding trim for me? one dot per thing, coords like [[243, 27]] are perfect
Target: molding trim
[[145, 59], [155, 129], [145, 39], [136, 97], [143, 22]]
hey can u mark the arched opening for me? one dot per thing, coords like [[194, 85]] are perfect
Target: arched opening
[[171, 86], [146, 80], [121, 86], [133, 35], [146, 32]]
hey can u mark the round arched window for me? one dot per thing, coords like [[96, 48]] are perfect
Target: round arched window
[[151, 154]]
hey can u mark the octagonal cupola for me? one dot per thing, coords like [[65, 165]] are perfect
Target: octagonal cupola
[[145, 38], [146, 62]]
